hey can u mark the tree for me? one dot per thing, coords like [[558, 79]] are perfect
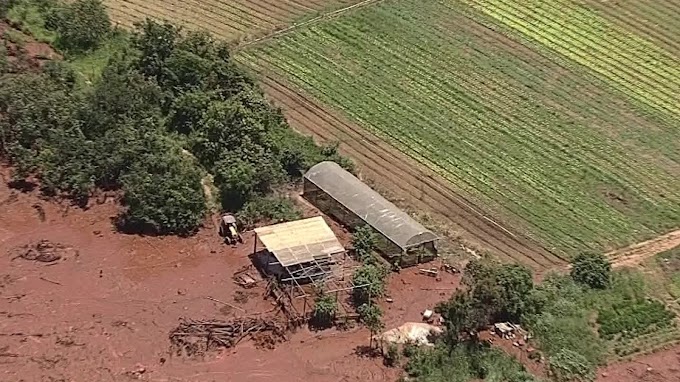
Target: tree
[[370, 282], [163, 194], [363, 242], [81, 25], [325, 308], [593, 270], [155, 43], [371, 316]]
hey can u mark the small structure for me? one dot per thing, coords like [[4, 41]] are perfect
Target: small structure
[[300, 252], [343, 196]]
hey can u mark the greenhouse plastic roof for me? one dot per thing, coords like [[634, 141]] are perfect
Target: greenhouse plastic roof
[[371, 207]]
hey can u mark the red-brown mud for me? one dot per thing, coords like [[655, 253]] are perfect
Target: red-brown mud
[[103, 311]]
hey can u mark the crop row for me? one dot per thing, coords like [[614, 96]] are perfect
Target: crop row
[[642, 69], [414, 99], [652, 20]]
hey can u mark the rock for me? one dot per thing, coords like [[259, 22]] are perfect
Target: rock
[[515, 344], [97, 232], [389, 300], [605, 374], [521, 343], [181, 292], [649, 369]]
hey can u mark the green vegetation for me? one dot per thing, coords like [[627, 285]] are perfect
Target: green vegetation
[[273, 209], [325, 308], [31, 15], [80, 26], [568, 136], [156, 118], [464, 362], [593, 270], [363, 243], [574, 325], [371, 280]]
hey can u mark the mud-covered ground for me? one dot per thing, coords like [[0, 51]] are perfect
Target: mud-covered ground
[[98, 305]]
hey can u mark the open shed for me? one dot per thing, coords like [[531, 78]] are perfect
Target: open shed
[[299, 252], [343, 196]]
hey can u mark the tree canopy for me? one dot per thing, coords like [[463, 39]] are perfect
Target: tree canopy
[[170, 109], [592, 270], [81, 25]]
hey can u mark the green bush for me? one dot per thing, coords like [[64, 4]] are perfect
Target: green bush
[[371, 279], [274, 209], [80, 26], [632, 318], [325, 308], [163, 195], [392, 355], [593, 270], [568, 366], [363, 243]]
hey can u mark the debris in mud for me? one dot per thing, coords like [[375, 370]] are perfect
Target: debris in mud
[[40, 211], [43, 251], [195, 337]]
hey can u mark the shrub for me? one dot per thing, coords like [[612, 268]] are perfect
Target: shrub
[[325, 308], [392, 355], [592, 270], [567, 365], [81, 26], [363, 242], [163, 195], [274, 209], [632, 318], [372, 279]]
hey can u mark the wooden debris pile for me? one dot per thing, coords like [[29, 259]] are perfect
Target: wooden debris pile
[[195, 337]]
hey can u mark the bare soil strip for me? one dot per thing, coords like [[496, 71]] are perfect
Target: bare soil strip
[[392, 170], [637, 253]]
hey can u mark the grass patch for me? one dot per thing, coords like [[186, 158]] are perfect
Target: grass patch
[[89, 66], [30, 15]]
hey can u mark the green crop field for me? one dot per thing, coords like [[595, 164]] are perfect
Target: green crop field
[[560, 119]]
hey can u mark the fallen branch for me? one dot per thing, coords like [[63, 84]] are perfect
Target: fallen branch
[[50, 281]]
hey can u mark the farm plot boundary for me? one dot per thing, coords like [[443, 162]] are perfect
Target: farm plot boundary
[[231, 20]]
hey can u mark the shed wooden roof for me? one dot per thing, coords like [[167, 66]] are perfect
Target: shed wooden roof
[[300, 241]]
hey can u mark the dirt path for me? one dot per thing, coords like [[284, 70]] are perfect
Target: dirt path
[[293, 27], [423, 189], [637, 253]]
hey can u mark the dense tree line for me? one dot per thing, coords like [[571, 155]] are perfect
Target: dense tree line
[[168, 110]]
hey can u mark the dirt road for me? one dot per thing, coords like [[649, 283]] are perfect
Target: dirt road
[[637, 253]]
